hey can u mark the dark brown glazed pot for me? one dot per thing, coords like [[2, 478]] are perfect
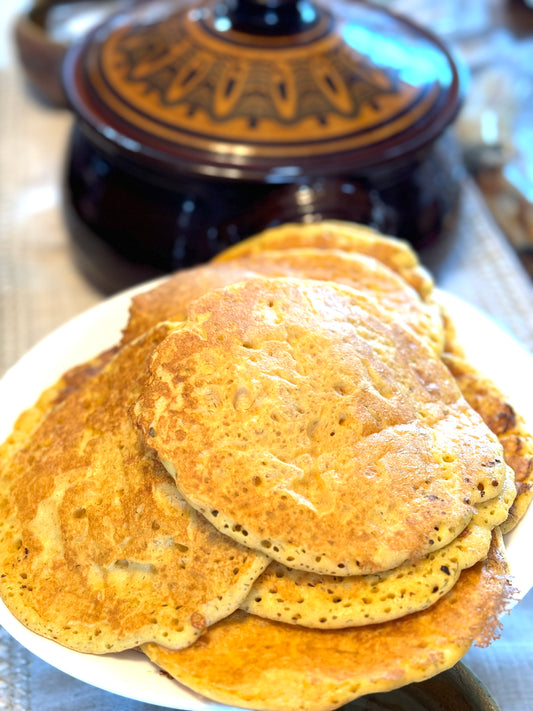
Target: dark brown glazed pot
[[198, 124]]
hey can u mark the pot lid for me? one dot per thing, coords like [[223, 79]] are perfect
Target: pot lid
[[262, 89]]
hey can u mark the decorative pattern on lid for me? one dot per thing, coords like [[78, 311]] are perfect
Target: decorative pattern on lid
[[347, 86]]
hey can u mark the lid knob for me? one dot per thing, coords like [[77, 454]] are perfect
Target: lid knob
[[267, 17]]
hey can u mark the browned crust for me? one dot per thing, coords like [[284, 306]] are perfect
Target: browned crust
[[484, 396], [247, 661]]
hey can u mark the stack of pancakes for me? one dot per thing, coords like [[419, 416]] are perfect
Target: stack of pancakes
[[285, 484]]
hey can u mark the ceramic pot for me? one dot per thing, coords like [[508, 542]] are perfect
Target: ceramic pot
[[197, 125]]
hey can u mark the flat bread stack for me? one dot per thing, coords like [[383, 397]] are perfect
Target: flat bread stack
[[285, 484]]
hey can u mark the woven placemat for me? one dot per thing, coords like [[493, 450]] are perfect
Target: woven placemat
[[477, 264]]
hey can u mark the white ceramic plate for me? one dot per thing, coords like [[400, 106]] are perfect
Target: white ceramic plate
[[130, 674]]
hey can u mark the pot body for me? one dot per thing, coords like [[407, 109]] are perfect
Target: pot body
[[128, 223]]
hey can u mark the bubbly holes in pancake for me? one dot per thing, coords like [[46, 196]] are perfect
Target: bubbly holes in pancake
[[311, 427], [343, 388], [242, 399]]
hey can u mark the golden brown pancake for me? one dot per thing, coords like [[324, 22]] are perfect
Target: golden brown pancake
[[333, 602], [304, 421], [98, 550], [336, 234], [248, 661], [169, 301]]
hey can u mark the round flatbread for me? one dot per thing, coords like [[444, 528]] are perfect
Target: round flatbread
[[304, 421]]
